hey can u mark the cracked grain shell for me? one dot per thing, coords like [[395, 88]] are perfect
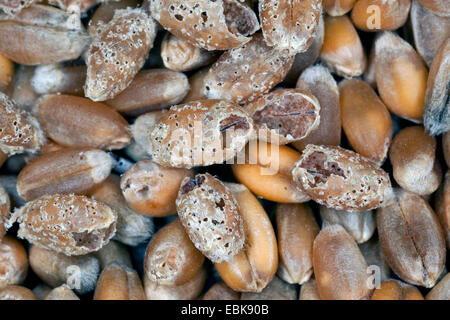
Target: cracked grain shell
[[211, 25], [19, 130], [69, 224], [412, 239], [341, 179], [118, 52], [200, 133], [210, 214], [243, 74], [79, 122], [289, 24], [287, 115]]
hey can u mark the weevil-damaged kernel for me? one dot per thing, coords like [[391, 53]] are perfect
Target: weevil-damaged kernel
[[319, 81], [430, 31], [339, 266], [14, 6], [376, 15], [64, 171], [441, 290], [41, 35], [342, 50], [118, 52], [220, 291], [401, 76], [119, 282], [55, 268], [437, 105], [337, 7], [171, 258], [305, 59], [211, 25], [360, 225], [151, 90], [296, 230], [210, 214], [5, 205], [13, 262], [62, 292], [276, 289], [243, 74], [105, 13], [180, 55], [152, 189], [79, 122], [69, 224], [187, 291], [200, 133], [396, 290], [365, 119], [287, 114], [439, 7], [414, 164], [56, 78], [341, 179], [412, 239], [289, 24], [309, 290], [6, 73], [269, 176], [252, 268], [16, 293], [19, 130], [132, 228]]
